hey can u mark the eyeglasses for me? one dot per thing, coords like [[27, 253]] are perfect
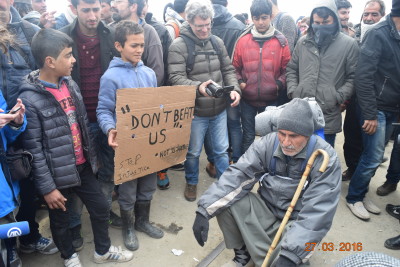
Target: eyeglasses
[[200, 27]]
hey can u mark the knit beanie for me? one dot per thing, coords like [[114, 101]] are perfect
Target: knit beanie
[[395, 8], [23, 1], [220, 2], [297, 117]]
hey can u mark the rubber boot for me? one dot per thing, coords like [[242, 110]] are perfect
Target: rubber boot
[[142, 224], [128, 233]]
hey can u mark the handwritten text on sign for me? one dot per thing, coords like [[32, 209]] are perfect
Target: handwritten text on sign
[[153, 127]]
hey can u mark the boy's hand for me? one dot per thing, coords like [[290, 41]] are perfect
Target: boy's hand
[[55, 200], [112, 138], [235, 97]]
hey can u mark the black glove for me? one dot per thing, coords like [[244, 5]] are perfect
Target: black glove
[[282, 261], [200, 229]]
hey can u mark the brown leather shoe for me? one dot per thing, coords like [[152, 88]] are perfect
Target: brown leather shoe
[[210, 169], [190, 192], [386, 189]]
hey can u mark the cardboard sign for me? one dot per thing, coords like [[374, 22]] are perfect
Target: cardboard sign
[[153, 127]]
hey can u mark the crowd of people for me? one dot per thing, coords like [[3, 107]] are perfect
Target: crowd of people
[[59, 80]]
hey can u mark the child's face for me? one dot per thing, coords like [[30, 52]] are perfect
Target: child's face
[[133, 48], [64, 63]]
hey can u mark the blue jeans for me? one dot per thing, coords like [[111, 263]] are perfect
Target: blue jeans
[[218, 131], [234, 132], [371, 157], [248, 115], [393, 172], [330, 139]]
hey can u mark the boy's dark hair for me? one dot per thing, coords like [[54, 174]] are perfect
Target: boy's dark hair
[[49, 43], [343, 4], [125, 28], [180, 5], [245, 15], [75, 3], [140, 6], [323, 12], [259, 7], [241, 18]]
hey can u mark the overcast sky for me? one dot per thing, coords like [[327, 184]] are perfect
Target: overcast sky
[[295, 7]]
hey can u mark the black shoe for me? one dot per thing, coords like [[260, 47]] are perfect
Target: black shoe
[[393, 243], [386, 189], [115, 221], [77, 239], [142, 223], [393, 210], [177, 167], [347, 174]]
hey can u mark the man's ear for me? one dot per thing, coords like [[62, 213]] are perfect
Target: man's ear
[[74, 10], [118, 46], [133, 8], [49, 62]]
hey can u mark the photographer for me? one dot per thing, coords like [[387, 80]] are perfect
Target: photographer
[[210, 64]]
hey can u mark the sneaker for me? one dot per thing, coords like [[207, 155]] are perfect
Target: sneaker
[[43, 245], [15, 261], [177, 167], [359, 210], [346, 175], [210, 169], [115, 221], [77, 239], [114, 254], [190, 192], [73, 261], [162, 180], [386, 189], [393, 210], [370, 206]]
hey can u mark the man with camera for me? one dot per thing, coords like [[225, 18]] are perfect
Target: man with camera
[[210, 70]]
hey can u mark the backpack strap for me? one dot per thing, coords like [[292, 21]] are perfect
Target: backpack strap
[[175, 26], [192, 53]]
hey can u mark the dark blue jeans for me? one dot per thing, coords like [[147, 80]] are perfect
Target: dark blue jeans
[[371, 157], [393, 172]]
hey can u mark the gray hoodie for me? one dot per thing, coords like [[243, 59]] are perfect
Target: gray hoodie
[[326, 73]]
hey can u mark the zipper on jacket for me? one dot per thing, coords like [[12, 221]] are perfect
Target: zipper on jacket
[[383, 86]]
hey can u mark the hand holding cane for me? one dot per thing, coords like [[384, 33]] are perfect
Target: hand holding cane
[[296, 197]]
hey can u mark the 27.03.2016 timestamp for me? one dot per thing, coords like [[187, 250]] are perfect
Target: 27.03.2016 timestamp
[[330, 246]]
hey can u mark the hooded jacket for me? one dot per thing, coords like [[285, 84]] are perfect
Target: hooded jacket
[[326, 73], [119, 75], [48, 135], [263, 69], [206, 67], [377, 76], [313, 214], [226, 27]]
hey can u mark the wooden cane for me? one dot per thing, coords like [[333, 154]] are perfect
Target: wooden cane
[[303, 179]]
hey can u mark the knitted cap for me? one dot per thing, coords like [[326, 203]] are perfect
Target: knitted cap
[[220, 2], [23, 1], [396, 8], [297, 117]]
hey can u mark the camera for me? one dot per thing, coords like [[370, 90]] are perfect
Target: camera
[[215, 90]]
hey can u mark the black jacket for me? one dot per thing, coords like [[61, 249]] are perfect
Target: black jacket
[[377, 79], [48, 136], [226, 27], [107, 48]]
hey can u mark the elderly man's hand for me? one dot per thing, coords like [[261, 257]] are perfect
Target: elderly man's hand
[[200, 229], [235, 98]]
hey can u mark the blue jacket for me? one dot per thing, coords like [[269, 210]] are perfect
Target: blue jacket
[[120, 74], [9, 189]]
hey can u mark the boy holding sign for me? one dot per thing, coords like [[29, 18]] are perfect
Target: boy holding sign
[[128, 72]]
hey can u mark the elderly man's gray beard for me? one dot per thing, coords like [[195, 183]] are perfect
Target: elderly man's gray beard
[[291, 151]]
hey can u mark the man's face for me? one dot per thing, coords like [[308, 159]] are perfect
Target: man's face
[[5, 11], [371, 13], [133, 48], [201, 27], [344, 15], [39, 6], [317, 20], [262, 22], [122, 9], [64, 63], [88, 15], [291, 142], [105, 13]]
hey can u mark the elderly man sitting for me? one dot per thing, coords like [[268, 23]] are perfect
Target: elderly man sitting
[[250, 221]]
